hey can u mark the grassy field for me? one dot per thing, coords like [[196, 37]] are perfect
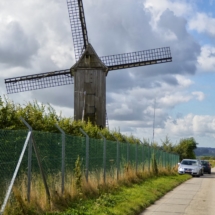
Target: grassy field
[[212, 162]]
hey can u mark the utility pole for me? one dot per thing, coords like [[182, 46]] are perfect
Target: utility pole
[[153, 133]]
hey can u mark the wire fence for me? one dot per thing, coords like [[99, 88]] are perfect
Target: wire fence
[[58, 153]]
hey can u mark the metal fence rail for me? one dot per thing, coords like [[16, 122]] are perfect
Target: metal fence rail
[[58, 153]]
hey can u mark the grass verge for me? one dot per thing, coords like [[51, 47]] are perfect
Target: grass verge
[[126, 200]]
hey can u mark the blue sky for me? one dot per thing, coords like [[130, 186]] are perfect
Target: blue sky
[[203, 81], [206, 6], [36, 37]]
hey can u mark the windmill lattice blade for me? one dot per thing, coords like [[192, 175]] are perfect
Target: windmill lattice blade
[[78, 26], [135, 59], [38, 81]]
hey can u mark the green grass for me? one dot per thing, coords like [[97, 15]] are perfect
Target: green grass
[[126, 200], [212, 162]]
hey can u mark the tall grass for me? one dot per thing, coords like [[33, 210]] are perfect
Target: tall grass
[[76, 187]]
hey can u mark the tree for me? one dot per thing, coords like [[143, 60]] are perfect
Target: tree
[[186, 147], [167, 146]]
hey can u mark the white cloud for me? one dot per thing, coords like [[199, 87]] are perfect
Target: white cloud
[[206, 60], [61, 55], [203, 23], [172, 99], [137, 104], [16, 47], [183, 81], [192, 125], [199, 95], [123, 110], [201, 127], [42, 40], [156, 8], [63, 111]]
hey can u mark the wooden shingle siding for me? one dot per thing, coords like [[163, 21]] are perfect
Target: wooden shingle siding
[[90, 77]]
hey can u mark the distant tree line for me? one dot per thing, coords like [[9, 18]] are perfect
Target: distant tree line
[[185, 148], [207, 157], [43, 117]]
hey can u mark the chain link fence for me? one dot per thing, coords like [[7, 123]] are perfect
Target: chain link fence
[[58, 154]]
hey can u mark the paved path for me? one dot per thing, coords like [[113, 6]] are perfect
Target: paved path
[[194, 197]]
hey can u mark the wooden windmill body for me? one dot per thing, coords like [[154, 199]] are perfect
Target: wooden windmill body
[[90, 88], [89, 72]]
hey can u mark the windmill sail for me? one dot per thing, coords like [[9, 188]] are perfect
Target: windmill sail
[[89, 71], [38, 81], [78, 26], [135, 59]]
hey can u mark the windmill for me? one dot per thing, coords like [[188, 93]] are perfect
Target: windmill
[[89, 72]]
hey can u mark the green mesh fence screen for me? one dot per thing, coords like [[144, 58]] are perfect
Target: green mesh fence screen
[[49, 145], [95, 154], [75, 146], [11, 144]]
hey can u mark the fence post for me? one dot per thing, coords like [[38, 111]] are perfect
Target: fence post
[[63, 159], [127, 149], [29, 160], [166, 158], [170, 159], [104, 157], [162, 158], [87, 153], [142, 153], [149, 157], [15, 173], [136, 156], [39, 162], [41, 170], [117, 158]]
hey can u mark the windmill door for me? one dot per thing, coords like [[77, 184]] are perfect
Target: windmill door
[[90, 108]]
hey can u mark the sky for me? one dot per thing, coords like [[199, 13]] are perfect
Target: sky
[[174, 100]]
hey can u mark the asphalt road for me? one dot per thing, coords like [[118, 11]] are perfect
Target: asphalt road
[[194, 197]]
